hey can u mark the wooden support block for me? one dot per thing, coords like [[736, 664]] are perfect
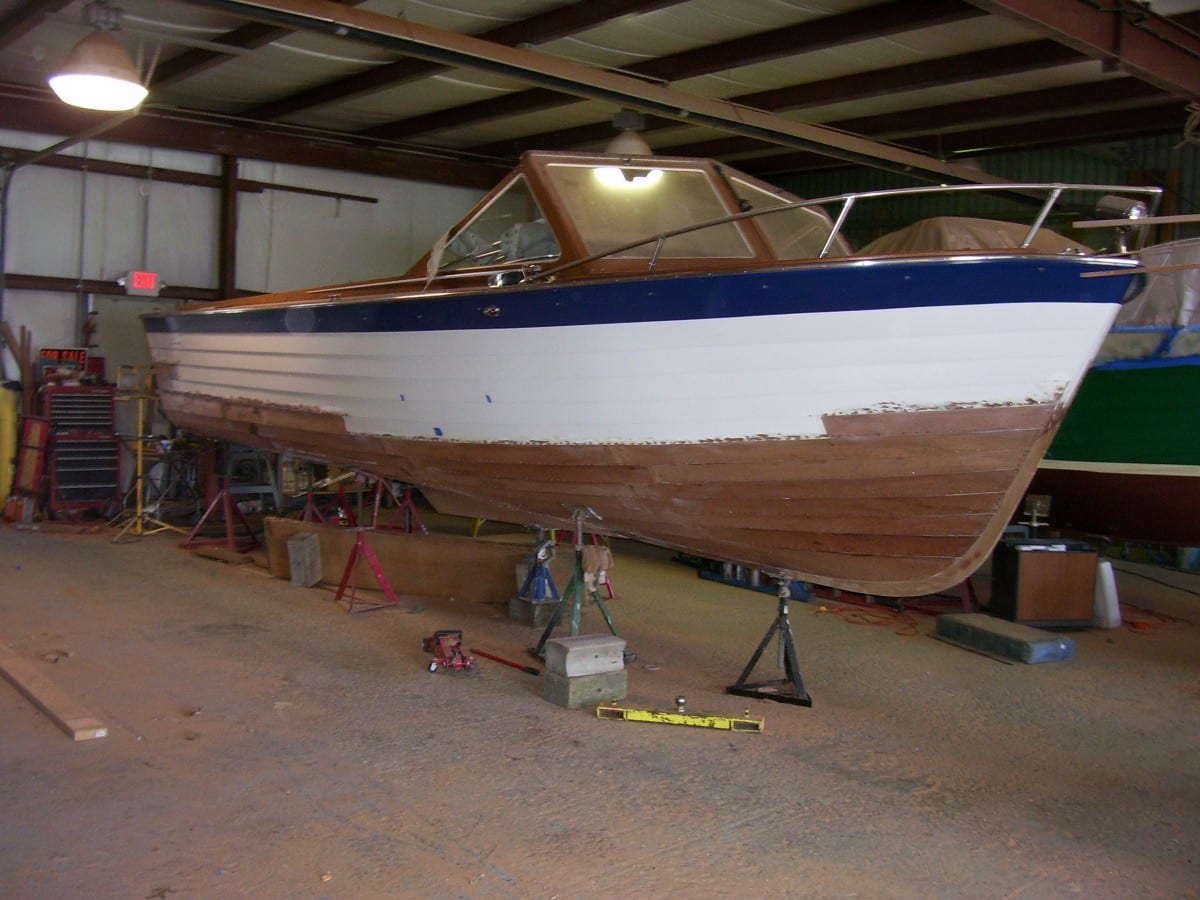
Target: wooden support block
[[433, 565], [68, 715]]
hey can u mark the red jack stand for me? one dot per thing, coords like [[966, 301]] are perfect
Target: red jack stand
[[405, 508], [314, 513], [229, 510], [363, 549]]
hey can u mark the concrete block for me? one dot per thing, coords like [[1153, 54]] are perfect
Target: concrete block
[[530, 613], [584, 689], [586, 654], [304, 559], [1003, 639]]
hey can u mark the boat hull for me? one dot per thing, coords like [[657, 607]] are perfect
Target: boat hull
[[863, 426], [1126, 462], [899, 504]]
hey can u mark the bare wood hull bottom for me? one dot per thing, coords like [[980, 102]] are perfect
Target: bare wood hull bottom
[[892, 504]]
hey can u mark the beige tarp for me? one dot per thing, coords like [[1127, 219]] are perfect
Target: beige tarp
[[963, 233]]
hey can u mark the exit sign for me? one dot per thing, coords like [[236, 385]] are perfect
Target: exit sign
[[141, 284]]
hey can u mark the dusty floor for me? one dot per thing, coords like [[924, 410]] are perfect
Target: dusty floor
[[266, 744]]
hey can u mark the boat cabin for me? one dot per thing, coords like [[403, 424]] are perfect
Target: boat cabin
[[580, 216]]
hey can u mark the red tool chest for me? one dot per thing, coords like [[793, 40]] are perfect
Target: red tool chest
[[83, 465]]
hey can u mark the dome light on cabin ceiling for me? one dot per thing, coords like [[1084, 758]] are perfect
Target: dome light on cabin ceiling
[[98, 72]]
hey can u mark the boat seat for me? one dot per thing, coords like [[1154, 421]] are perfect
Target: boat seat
[[528, 240]]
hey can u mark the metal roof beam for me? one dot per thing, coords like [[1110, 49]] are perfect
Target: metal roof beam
[[564, 20], [1030, 107], [880, 20], [873, 83], [24, 110], [1124, 34], [197, 60], [876, 21], [20, 22], [1062, 131], [449, 48]]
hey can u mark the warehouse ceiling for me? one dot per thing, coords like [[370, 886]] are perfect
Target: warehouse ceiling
[[454, 90]]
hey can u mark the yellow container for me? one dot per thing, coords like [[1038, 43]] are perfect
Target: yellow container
[[9, 395]]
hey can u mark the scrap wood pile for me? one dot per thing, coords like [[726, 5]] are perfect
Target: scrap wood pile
[[21, 348]]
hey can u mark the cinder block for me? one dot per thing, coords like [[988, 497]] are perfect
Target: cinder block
[[531, 613], [304, 559], [587, 654], [584, 689], [1004, 639]]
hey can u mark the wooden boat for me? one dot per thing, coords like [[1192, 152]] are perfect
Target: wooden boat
[[1126, 461], [692, 354]]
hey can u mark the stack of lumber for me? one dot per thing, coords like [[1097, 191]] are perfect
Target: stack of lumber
[[21, 348]]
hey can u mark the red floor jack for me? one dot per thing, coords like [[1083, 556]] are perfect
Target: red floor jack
[[446, 647]]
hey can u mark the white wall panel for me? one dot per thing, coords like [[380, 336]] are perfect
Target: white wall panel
[[288, 240], [88, 225], [52, 319]]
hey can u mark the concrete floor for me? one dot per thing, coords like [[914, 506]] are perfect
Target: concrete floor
[[264, 743]]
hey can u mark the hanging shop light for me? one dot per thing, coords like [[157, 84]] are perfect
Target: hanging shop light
[[98, 72]]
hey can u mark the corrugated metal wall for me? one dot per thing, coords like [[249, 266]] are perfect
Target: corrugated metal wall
[[1166, 161]]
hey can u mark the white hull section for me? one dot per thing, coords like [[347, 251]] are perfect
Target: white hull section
[[661, 382]]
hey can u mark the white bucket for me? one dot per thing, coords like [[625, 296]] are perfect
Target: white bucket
[[1106, 608]]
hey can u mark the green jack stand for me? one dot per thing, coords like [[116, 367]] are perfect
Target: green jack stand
[[575, 591]]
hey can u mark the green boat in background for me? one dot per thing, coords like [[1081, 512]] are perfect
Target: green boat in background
[[1125, 463]]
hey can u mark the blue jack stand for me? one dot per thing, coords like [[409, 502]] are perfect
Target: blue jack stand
[[538, 586]]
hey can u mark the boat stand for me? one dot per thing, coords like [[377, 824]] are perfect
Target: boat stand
[[229, 511], [575, 590], [790, 688], [338, 511], [539, 586], [405, 515], [362, 550], [596, 542]]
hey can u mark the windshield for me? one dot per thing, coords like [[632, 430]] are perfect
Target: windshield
[[510, 229], [612, 206], [796, 233]]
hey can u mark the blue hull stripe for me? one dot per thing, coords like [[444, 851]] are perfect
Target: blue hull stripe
[[1160, 362], [839, 287]]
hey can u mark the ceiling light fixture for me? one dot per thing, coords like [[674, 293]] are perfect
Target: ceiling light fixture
[[98, 72], [628, 143]]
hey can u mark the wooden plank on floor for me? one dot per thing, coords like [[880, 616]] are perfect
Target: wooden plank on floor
[[68, 715]]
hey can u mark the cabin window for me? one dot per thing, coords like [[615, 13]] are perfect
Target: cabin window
[[798, 233], [615, 206], [510, 229]]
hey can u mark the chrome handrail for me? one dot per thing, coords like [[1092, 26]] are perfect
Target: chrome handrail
[[852, 200]]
